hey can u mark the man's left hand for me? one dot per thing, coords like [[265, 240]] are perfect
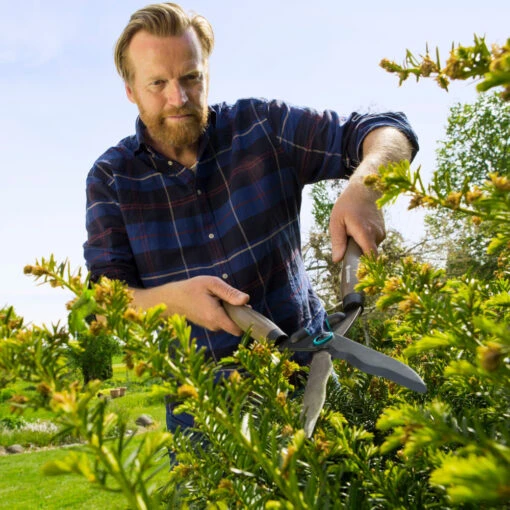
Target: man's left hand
[[355, 213]]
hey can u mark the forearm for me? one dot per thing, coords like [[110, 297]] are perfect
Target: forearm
[[380, 147], [355, 213], [149, 298]]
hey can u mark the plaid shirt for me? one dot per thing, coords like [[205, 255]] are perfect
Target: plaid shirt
[[235, 216]]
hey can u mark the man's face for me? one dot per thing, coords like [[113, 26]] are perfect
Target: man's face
[[169, 84]]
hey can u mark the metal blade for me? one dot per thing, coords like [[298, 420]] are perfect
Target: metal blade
[[345, 325], [315, 390], [375, 363]]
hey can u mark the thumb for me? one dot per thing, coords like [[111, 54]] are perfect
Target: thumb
[[227, 293]]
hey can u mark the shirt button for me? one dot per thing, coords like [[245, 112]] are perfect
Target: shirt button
[[211, 236], [199, 191], [170, 163], [224, 276]]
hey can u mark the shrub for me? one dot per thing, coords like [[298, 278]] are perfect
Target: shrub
[[12, 422]]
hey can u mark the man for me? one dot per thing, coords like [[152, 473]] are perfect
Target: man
[[202, 204]]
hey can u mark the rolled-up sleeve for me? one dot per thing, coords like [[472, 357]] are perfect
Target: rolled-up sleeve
[[325, 145], [358, 126]]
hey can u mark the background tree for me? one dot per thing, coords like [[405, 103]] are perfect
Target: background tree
[[474, 147], [323, 273]]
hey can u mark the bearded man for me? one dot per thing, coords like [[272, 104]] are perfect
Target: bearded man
[[201, 206]]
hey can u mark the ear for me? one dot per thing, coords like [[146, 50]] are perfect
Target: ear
[[129, 92]]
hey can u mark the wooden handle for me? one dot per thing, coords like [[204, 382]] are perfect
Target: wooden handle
[[250, 320], [349, 278]]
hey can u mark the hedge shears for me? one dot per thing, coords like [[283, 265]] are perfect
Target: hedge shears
[[331, 343]]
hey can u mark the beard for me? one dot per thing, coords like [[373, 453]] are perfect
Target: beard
[[167, 134]]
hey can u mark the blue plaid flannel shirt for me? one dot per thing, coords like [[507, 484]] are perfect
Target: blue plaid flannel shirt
[[235, 215]]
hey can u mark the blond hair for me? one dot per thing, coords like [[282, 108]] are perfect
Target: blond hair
[[165, 19]]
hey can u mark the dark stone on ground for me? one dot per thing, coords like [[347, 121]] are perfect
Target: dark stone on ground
[[15, 448], [144, 420]]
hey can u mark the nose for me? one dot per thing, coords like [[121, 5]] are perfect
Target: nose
[[177, 95]]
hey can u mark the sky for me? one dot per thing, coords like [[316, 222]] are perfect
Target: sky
[[63, 104]]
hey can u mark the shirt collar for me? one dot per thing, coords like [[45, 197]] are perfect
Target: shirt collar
[[140, 135]]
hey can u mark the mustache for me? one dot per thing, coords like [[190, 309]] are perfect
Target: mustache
[[182, 110]]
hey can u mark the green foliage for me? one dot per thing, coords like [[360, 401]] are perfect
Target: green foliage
[[324, 194], [12, 422], [376, 445], [464, 62], [459, 330], [472, 150], [6, 394], [248, 449], [487, 205], [95, 358], [474, 145], [92, 352]]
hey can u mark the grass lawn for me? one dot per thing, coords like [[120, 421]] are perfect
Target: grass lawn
[[24, 487], [22, 483]]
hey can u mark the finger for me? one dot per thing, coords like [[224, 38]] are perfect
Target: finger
[[225, 323], [227, 293], [366, 243], [338, 241], [370, 236], [231, 327]]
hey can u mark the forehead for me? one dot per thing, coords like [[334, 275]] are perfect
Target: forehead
[[149, 53]]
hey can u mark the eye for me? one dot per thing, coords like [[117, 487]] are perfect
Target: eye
[[193, 77], [157, 83]]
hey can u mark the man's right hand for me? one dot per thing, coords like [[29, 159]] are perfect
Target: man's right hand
[[198, 299]]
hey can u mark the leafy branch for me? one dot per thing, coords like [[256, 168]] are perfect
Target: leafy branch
[[464, 62]]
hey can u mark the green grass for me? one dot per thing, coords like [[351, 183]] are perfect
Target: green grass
[[22, 483], [23, 486]]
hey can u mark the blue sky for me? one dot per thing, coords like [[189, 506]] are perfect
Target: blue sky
[[63, 104]]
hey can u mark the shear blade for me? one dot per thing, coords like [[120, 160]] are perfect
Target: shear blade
[[375, 363], [315, 389], [345, 325]]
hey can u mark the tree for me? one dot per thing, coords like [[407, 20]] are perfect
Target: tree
[[324, 274], [473, 149]]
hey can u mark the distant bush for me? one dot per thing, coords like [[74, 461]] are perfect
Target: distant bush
[[6, 394], [12, 422]]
